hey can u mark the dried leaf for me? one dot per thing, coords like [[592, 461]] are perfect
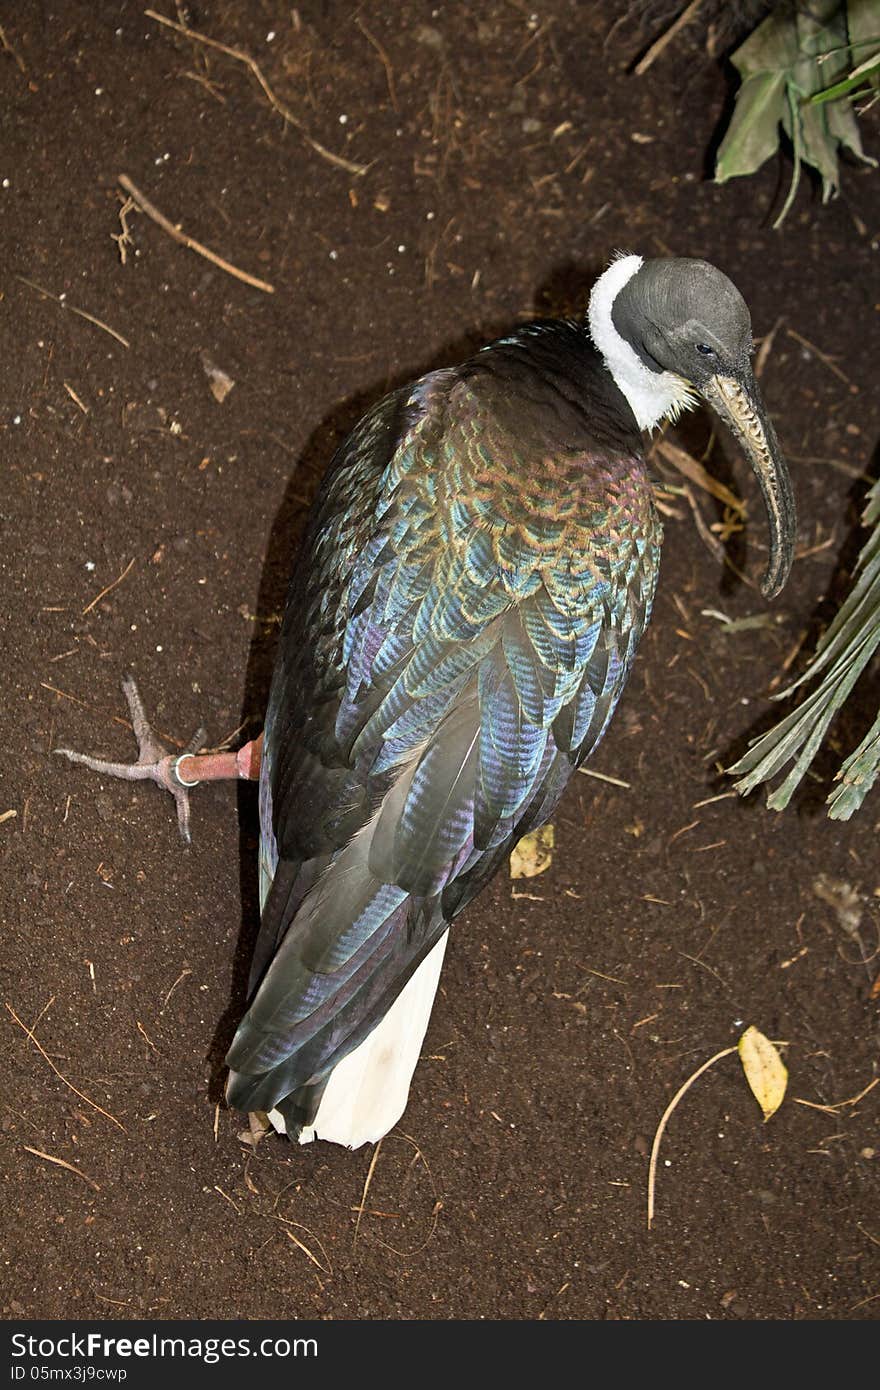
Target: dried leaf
[[534, 853], [220, 382], [765, 1070], [696, 473]]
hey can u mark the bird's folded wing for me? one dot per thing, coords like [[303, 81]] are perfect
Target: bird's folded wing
[[436, 686]]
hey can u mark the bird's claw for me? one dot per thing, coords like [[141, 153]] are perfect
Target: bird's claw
[[154, 762]]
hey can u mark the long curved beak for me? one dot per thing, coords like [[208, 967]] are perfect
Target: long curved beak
[[738, 401]]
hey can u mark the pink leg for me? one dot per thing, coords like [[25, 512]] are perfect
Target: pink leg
[[176, 772]]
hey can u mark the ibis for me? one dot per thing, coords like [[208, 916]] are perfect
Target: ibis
[[475, 575]]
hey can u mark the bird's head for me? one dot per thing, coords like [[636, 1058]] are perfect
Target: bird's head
[[671, 330]]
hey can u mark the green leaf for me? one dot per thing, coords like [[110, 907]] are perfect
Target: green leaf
[[819, 147], [856, 776], [845, 128], [772, 47], [842, 654], [857, 84], [753, 134], [862, 22]]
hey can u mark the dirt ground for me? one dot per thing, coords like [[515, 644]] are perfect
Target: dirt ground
[[149, 527]]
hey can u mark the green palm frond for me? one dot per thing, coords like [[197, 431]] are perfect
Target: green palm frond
[[842, 654]]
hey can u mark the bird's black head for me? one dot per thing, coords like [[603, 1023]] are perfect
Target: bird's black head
[[686, 317]]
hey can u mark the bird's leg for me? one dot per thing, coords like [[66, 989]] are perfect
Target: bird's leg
[[176, 772]]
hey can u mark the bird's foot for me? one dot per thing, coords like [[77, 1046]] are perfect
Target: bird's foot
[[154, 762]]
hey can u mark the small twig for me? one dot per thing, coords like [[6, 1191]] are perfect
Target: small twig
[[189, 242], [675, 28], [615, 979], [722, 796], [655, 1147], [685, 463], [90, 318], [711, 969], [62, 1163], [74, 397], [712, 543], [241, 57], [182, 976], [386, 61], [8, 815], [822, 356], [212, 88], [870, 1299], [7, 48], [369, 1178], [766, 348], [61, 1077], [226, 1195], [604, 777], [285, 1222], [123, 239], [839, 1104], [143, 1032], [435, 1210], [89, 606]]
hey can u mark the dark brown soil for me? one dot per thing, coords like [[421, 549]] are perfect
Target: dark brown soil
[[509, 155]]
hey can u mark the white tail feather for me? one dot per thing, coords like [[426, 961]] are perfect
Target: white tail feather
[[368, 1090]]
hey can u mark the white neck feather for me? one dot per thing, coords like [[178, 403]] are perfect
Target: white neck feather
[[652, 395]]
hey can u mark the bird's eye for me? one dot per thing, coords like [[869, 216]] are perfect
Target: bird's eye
[[705, 349]]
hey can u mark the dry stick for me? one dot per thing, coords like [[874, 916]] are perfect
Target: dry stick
[[116, 718], [241, 57], [605, 777], [435, 1214], [685, 463], [190, 242], [123, 238], [865, 1232], [90, 318], [870, 1299], [182, 976], [369, 1178], [655, 1147], [74, 397], [89, 606], [62, 1163], [301, 1245], [385, 60], [657, 48], [822, 356], [712, 543], [61, 1077], [7, 48], [74, 699], [839, 1104], [766, 348]]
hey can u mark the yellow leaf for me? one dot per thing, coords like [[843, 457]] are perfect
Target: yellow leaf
[[533, 854], [765, 1070]]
